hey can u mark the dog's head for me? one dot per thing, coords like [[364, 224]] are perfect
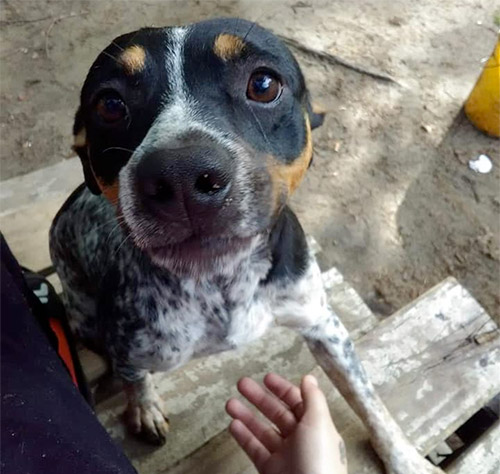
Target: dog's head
[[199, 134]]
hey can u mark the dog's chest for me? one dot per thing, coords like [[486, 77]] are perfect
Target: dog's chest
[[188, 318], [213, 316]]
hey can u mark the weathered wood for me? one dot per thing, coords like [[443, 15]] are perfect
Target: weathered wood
[[28, 204], [428, 369], [54, 280], [344, 300], [220, 455], [483, 457], [427, 366], [94, 366]]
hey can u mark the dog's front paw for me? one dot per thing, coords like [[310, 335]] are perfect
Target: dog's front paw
[[148, 420]]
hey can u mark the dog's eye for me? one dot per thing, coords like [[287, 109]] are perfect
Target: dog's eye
[[263, 86], [111, 108]]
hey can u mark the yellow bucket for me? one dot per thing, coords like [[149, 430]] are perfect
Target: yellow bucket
[[483, 105]]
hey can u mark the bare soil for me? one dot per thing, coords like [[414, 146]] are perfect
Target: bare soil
[[390, 196]]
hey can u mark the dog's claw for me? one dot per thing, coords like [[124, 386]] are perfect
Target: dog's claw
[[148, 421]]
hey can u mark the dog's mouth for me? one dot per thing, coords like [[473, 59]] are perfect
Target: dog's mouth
[[200, 247], [198, 251]]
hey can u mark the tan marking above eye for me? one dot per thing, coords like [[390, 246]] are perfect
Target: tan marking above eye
[[133, 59], [228, 46]]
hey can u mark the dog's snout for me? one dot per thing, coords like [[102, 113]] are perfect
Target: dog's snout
[[194, 179]]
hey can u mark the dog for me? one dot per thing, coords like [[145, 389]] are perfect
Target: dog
[[180, 242]]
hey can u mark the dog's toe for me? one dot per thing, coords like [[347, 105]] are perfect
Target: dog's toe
[[154, 426], [148, 421]]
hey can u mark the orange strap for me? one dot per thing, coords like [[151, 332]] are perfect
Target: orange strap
[[63, 347]]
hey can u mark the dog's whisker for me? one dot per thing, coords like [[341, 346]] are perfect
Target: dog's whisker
[[252, 26], [109, 55], [117, 45], [260, 127], [118, 148], [94, 229]]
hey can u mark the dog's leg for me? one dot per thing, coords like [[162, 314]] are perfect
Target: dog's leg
[[145, 415], [330, 343]]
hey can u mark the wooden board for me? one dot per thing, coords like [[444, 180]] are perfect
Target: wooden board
[[483, 457], [435, 362], [221, 455], [429, 370], [28, 204], [344, 300]]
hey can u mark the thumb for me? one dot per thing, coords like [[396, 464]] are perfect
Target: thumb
[[315, 406]]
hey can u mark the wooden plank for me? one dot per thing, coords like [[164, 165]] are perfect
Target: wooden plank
[[429, 370], [427, 365], [54, 280], [483, 457], [94, 366], [28, 204], [220, 455], [343, 299]]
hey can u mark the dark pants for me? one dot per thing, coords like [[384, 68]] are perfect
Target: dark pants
[[46, 425]]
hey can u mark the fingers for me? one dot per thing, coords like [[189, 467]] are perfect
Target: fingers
[[268, 405], [286, 392], [254, 449], [315, 405], [265, 433]]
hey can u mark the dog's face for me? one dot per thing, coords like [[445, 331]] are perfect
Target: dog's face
[[198, 134]]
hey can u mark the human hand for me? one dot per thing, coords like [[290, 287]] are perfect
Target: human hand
[[305, 441]]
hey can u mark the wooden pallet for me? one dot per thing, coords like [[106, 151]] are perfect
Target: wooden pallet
[[435, 362]]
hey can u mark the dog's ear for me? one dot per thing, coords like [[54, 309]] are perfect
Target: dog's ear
[[81, 147], [316, 114]]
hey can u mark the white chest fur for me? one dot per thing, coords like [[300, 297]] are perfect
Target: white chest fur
[[217, 315]]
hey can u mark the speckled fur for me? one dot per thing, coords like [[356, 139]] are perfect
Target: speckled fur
[[146, 317]]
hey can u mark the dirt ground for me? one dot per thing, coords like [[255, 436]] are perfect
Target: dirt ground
[[390, 197]]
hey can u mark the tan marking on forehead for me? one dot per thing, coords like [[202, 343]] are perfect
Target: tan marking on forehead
[[286, 177], [133, 59], [80, 139], [228, 46]]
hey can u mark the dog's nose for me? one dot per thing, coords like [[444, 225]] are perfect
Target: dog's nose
[[195, 179]]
